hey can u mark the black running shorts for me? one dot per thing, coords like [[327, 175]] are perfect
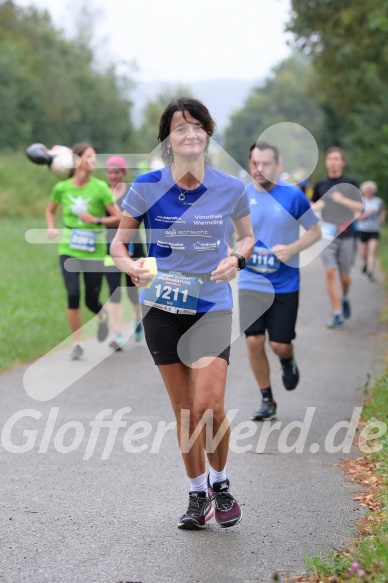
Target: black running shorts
[[277, 318], [173, 338], [365, 236]]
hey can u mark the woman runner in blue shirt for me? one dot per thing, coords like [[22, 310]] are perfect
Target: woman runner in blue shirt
[[187, 208]]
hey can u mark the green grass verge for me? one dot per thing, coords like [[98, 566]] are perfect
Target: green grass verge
[[25, 187], [33, 314], [370, 550]]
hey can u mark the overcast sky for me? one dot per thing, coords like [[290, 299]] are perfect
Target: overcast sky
[[186, 40]]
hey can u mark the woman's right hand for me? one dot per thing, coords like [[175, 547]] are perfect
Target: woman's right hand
[[140, 276]]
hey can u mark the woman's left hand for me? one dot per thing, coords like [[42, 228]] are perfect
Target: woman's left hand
[[226, 270]]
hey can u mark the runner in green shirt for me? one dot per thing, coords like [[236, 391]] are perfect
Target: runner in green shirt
[[85, 201]]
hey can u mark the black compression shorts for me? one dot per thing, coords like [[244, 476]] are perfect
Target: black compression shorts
[[173, 338]]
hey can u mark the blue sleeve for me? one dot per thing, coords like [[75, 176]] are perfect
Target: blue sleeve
[[241, 208], [134, 202], [303, 211]]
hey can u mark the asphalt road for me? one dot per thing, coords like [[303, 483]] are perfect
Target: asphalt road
[[113, 517]]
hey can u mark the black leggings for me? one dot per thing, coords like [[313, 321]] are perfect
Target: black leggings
[[113, 276], [93, 272]]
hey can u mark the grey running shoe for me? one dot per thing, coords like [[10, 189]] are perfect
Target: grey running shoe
[[76, 352], [337, 322], [228, 511], [199, 511], [290, 376], [266, 411]]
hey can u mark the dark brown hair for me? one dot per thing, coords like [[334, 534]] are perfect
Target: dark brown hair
[[261, 145], [78, 150], [196, 109], [335, 149]]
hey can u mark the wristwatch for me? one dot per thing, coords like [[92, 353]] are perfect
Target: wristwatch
[[240, 260], [99, 221]]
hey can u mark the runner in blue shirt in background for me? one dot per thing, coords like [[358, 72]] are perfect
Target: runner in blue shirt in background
[[186, 208], [269, 285]]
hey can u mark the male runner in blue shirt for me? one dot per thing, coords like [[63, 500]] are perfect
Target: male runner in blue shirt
[[269, 284]]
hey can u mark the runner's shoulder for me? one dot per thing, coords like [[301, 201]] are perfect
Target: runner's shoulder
[[150, 177], [99, 184], [350, 180], [219, 177], [291, 188]]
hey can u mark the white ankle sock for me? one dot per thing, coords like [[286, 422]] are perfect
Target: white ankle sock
[[215, 476], [198, 484]]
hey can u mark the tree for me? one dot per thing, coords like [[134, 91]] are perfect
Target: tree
[[50, 90], [281, 98], [347, 44]]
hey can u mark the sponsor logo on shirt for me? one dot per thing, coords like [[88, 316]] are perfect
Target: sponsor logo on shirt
[[208, 220], [187, 233], [198, 246]]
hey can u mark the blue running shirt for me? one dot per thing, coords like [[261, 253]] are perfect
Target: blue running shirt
[[189, 235], [276, 216]]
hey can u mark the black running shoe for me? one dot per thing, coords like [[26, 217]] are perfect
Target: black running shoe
[[228, 511], [346, 308], [103, 327], [200, 510], [266, 411], [290, 376]]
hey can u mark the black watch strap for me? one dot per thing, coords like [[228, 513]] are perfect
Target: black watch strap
[[240, 260]]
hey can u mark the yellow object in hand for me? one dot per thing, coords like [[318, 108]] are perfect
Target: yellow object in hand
[[150, 264]]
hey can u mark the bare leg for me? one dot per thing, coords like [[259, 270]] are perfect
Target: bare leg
[[345, 283], [116, 317], [282, 350], [258, 360], [209, 383], [199, 390], [371, 256], [179, 385], [333, 290], [137, 311]]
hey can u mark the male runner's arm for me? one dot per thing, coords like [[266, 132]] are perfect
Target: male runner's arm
[[284, 252], [353, 205]]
